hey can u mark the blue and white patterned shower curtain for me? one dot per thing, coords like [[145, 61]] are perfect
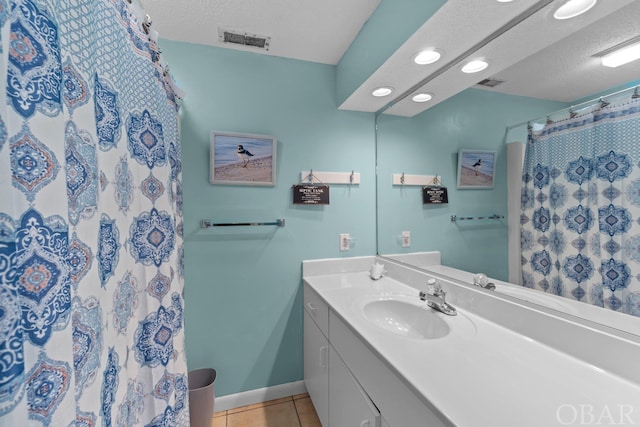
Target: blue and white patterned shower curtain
[[580, 233], [91, 307]]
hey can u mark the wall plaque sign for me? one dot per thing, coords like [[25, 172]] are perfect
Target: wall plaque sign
[[433, 195], [310, 194]]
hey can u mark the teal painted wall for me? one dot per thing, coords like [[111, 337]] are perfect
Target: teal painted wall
[[428, 144], [390, 25], [243, 285]]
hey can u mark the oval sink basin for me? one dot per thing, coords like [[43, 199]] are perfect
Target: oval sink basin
[[406, 319]]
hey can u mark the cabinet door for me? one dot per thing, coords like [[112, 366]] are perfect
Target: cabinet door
[[317, 309], [349, 405], [316, 368]]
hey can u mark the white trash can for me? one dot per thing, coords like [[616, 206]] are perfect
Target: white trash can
[[201, 396]]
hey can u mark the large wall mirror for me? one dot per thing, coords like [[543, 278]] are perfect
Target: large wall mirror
[[526, 84]]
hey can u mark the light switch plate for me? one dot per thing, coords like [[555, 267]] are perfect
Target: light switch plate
[[406, 239], [345, 242]]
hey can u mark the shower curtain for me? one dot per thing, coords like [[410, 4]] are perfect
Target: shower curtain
[[91, 306], [580, 233]]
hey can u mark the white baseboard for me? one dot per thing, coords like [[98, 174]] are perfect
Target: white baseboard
[[258, 395]]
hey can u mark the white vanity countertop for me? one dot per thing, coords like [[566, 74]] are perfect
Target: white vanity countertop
[[482, 374]]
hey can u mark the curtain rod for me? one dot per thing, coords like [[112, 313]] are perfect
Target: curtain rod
[[589, 102]]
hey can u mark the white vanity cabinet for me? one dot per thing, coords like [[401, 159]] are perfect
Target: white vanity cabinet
[[397, 403], [348, 383], [493, 352], [338, 397], [316, 353]]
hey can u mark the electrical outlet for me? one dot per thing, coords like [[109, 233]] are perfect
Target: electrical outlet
[[345, 242], [406, 239]]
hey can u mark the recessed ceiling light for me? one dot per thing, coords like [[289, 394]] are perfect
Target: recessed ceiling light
[[573, 8], [382, 91], [505, 1], [422, 97], [427, 56], [475, 66]]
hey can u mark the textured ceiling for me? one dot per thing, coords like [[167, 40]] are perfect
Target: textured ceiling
[[540, 57], [568, 69], [318, 31]]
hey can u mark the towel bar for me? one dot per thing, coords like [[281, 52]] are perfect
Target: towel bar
[[205, 223], [455, 218]]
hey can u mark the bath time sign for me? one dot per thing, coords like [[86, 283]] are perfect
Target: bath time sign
[[310, 194]]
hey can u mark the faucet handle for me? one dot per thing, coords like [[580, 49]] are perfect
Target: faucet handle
[[434, 287], [480, 280]]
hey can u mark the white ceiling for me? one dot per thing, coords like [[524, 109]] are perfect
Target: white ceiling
[[309, 30], [540, 57], [573, 56]]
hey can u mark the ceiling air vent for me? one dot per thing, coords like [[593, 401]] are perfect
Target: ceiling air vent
[[243, 39], [490, 82]]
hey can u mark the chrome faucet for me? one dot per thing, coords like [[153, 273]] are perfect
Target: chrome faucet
[[436, 298], [482, 281]]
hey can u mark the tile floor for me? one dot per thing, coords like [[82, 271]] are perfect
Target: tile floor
[[292, 411]]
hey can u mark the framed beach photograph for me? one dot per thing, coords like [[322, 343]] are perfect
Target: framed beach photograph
[[243, 159], [476, 168]]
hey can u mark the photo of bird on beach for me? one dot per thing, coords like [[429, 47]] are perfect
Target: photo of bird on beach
[[476, 168], [244, 155], [244, 159]]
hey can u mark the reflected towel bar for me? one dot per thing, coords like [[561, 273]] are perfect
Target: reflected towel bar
[[455, 218], [207, 224]]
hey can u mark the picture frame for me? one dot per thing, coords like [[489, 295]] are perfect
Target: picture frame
[[476, 169], [242, 159]]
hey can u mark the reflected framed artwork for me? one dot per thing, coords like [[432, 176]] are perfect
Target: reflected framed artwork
[[243, 159], [476, 169]]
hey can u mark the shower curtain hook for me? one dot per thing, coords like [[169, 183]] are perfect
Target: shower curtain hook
[[572, 113], [635, 94], [603, 103], [146, 24]]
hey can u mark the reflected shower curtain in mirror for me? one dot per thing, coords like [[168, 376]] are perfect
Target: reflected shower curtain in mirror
[[580, 233], [91, 280]]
